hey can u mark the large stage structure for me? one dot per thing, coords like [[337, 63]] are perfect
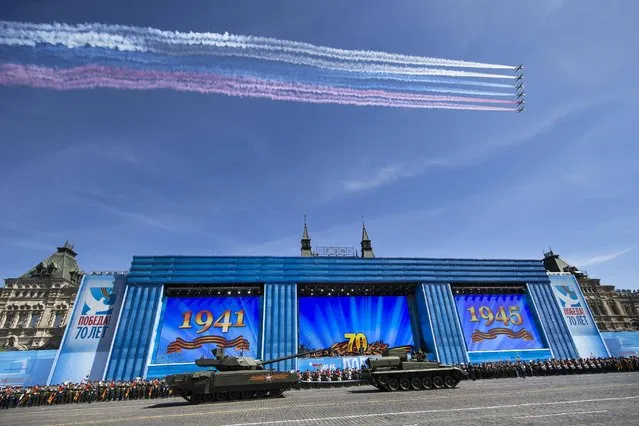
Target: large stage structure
[[167, 311], [170, 310]]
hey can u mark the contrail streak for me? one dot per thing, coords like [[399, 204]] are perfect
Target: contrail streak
[[98, 76], [124, 43], [60, 57], [67, 57], [131, 38]]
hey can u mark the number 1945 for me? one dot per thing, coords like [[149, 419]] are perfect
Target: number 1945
[[513, 316]]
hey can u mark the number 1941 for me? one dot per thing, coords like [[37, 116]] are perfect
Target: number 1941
[[204, 319]]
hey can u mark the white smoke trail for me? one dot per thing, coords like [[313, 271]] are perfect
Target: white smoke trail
[[243, 42], [139, 44]]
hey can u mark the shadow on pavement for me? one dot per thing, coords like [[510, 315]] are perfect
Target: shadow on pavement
[[168, 404]]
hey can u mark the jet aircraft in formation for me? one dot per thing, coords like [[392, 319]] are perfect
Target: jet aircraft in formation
[[519, 88]]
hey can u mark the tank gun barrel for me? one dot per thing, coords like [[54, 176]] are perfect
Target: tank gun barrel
[[284, 358]]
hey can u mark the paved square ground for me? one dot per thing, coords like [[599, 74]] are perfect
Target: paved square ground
[[589, 399]]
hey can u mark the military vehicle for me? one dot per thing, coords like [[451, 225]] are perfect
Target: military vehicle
[[393, 372], [233, 378]]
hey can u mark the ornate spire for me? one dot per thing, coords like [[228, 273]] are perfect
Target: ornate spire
[[306, 242], [367, 247], [67, 248]]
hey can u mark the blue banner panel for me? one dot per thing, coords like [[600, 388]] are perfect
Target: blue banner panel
[[574, 309], [331, 363], [527, 355], [497, 322], [87, 339], [25, 368], [192, 327], [622, 343], [160, 371], [354, 326]]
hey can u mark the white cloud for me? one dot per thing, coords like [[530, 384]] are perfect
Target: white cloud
[[600, 258], [470, 154], [381, 228], [475, 152]]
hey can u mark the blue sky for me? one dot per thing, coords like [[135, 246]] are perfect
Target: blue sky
[[123, 173]]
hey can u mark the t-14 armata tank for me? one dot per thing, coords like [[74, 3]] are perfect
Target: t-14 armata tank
[[393, 373], [235, 378]]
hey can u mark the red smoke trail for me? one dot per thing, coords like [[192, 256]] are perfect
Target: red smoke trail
[[119, 78]]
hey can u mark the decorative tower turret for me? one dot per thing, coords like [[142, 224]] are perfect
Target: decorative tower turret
[[306, 242], [367, 247]]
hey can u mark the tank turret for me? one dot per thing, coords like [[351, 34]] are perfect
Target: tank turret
[[223, 362]]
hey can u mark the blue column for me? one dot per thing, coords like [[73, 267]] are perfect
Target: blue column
[[133, 338], [279, 333], [556, 329], [442, 320]]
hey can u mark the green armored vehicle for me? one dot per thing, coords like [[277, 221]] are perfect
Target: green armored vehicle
[[235, 378], [393, 373]]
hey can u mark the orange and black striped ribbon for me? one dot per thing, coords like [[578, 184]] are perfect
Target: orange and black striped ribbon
[[478, 336], [239, 343]]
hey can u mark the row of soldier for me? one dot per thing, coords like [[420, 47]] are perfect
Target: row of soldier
[[86, 392], [102, 391], [505, 369]]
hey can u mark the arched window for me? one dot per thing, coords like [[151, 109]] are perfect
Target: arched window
[[35, 319]]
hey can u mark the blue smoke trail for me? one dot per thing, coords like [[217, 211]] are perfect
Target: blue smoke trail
[[62, 57]]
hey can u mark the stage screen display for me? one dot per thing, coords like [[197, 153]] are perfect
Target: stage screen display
[[496, 322], [354, 326], [192, 327]]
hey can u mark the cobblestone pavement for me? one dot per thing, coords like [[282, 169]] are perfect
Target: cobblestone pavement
[[590, 399]]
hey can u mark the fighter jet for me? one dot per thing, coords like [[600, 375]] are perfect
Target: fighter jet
[[521, 102], [520, 67], [521, 86], [520, 94], [520, 110], [519, 77]]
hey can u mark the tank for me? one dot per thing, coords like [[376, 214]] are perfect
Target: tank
[[395, 372], [233, 378]]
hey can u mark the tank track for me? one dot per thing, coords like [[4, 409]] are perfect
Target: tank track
[[393, 382], [232, 396]]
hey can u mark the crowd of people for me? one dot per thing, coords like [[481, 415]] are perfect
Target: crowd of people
[[105, 391], [523, 369], [85, 392]]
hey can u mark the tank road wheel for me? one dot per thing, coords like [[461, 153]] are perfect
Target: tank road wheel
[[234, 395], [427, 382], [246, 394], [393, 384], [404, 384], [449, 382], [221, 396], [275, 393], [382, 380], [438, 383], [209, 397], [261, 394], [416, 383]]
